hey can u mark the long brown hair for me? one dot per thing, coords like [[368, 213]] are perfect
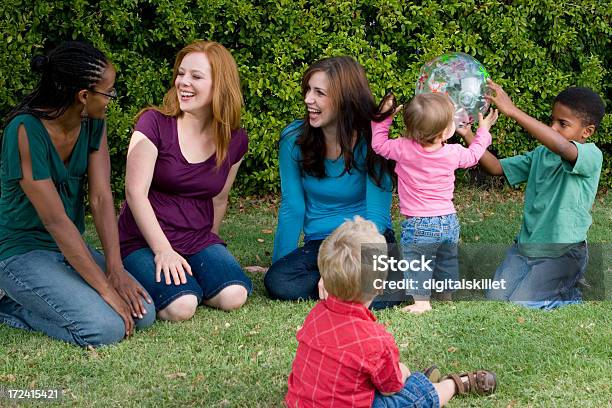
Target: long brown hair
[[227, 95], [353, 101]]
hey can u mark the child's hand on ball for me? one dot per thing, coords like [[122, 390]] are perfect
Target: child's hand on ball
[[500, 98], [488, 121]]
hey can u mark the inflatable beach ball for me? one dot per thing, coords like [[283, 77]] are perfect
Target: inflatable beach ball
[[462, 78]]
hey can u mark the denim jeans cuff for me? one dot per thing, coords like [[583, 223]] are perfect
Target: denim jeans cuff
[[162, 306], [14, 323], [219, 288], [420, 294]]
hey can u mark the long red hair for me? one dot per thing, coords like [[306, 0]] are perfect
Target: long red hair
[[227, 95]]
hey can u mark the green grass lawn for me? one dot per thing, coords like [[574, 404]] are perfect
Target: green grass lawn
[[242, 359]]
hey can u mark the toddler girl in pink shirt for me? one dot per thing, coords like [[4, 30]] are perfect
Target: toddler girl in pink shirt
[[425, 168]]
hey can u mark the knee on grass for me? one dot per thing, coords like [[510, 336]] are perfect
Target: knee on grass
[[279, 289], [230, 298], [106, 329], [180, 309]]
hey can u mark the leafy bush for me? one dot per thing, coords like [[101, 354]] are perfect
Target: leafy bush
[[533, 48]]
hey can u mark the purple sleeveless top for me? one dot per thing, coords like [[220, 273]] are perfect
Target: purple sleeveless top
[[181, 193]]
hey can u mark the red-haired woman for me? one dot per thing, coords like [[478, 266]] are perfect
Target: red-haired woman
[[182, 161], [329, 173]]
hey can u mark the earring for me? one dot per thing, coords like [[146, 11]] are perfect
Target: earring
[[84, 114]]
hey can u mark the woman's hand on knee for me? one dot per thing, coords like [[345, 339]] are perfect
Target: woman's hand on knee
[[121, 307], [173, 266], [130, 291]]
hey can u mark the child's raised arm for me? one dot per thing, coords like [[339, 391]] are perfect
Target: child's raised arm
[[546, 135], [488, 161], [381, 143]]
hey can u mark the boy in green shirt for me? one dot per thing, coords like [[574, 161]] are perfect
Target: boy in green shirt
[[542, 269]]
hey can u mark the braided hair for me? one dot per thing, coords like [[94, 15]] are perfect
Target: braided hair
[[70, 67]]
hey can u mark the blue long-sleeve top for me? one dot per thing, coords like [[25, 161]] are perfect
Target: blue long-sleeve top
[[317, 206]]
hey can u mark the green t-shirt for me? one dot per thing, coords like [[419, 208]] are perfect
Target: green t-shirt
[[21, 229], [558, 198]]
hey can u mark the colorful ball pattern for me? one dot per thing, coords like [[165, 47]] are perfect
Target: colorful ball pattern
[[462, 78]]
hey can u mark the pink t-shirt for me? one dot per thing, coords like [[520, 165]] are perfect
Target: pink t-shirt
[[426, 180]]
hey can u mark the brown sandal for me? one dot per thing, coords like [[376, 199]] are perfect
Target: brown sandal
[[481, 382], [433, 373]]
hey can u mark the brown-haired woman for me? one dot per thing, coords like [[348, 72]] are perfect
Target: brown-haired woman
[[329, 173], [182, 161]]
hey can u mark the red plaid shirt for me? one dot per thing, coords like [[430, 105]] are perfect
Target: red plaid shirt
[[343, 356]]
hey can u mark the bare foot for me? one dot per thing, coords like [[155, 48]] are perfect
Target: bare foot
[[256, 269], [420, 306]]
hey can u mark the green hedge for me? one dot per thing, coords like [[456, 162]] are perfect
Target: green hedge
[[533, 48]]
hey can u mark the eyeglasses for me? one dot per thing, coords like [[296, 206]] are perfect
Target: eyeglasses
[[112, 94]]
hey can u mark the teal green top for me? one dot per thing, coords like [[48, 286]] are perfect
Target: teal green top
[[21, 229], [317, 206], [558, 198]]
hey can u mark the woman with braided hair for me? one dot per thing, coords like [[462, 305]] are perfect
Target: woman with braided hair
[[54, 141]]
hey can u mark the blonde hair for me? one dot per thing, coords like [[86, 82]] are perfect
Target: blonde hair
[[226, 98], [340, 260], [427, 116]]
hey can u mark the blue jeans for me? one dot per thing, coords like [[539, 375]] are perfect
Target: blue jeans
[[214, 268], [296, 275], [418, 392], [44, 293], [541, 282], [433, 239]]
